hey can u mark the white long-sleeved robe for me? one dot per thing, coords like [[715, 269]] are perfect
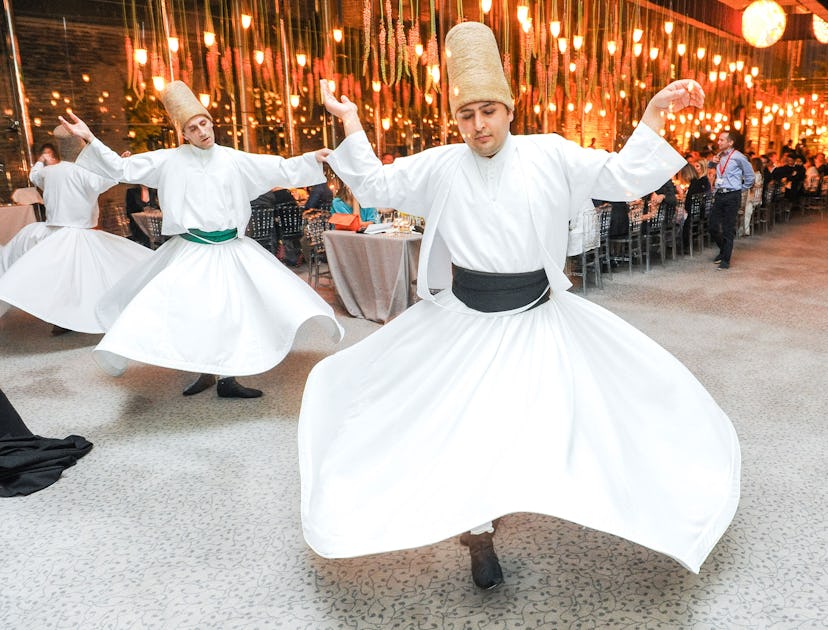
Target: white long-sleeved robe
[[229, 308], [447, 417], [58, 270]]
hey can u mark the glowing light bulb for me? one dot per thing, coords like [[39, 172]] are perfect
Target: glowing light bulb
[[294, 101], [209, 38], [562, 43], [158, 83], [637, 48], [681, 49], [140, 56], [418, 50], [486, 6], [386, 124], [246, 21], [204, 99], [522, 12], [258, 55], [611, 47], [301, 59], [637, 34], [172, 44], [337, 35], [577, 42], [700, 52], [653, 53], [717, 59], [376, 86], [555, 28], [668, 27]]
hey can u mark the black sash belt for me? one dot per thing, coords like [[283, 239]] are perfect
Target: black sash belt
[[494, 292]]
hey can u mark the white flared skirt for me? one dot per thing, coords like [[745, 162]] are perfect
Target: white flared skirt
[[447, 418], [64, 274], [230, 308]]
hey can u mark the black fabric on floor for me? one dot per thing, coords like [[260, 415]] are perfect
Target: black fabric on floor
[[29, 463]]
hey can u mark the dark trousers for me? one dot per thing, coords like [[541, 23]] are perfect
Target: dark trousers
[[723, 221]]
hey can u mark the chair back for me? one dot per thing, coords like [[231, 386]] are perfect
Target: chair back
[[635, 210], [261, 223], [290, 219], [656, 221], [605, 218], [592, 229], [155, 237], [316, 225]]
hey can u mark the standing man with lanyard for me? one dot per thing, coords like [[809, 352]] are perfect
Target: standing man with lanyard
[[210, 300], [733, 175], [505, 392]]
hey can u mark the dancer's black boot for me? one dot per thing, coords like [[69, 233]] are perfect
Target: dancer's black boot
[[485, 567], [230, 388], [203, 382]]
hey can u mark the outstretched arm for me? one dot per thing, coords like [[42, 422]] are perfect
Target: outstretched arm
[[344, 109], [77, 128], [673, 98]]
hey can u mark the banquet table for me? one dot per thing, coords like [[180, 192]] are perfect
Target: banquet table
[[13, 218], [375, 275]]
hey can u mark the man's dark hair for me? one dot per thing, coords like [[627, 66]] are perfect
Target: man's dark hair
[[49, 145], [737, 138]]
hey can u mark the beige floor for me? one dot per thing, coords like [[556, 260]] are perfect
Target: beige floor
[[185, 514]]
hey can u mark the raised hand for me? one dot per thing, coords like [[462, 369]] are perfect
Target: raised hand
[[321, 155], [673, 98], [77, 127], [678, 95], [340, 109]]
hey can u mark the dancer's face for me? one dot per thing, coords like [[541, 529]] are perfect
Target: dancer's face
[[198, 131], [484, 126]]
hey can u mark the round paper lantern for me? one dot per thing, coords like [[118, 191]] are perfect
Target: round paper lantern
[[820, 29], [763, 23]]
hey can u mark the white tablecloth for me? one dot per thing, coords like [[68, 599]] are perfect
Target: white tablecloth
[[12, 219], [375, 275]]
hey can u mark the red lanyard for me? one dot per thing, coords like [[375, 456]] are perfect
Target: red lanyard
[[724, 166]]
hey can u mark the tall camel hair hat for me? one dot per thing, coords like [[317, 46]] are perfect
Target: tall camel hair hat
[[181, 104], [475, 71], [69, 146]]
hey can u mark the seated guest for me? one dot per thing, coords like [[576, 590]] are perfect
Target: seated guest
[[345, 202], [319, 196], [812, 178], [695, 176], [754, 197], [288, 248]]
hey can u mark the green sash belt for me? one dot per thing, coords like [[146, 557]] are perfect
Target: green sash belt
[[210, 238]]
